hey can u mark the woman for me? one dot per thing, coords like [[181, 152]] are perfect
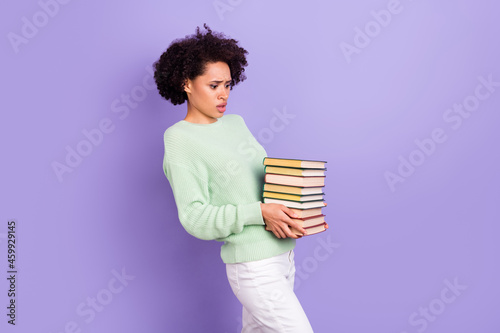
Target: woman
[[214, 166]]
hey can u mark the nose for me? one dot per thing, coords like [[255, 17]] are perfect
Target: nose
[[224, 93]]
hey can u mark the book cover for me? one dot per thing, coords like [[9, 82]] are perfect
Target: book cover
[[294, 180], [295, 204], [292, 197], [294, 171], [292, 189], [305, 213], [294, 163], [310, 221], [312, 230]]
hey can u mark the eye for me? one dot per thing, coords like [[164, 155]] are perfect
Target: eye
[[228, 85], [213, 86]]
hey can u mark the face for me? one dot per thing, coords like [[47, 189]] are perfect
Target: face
[[208, 94]]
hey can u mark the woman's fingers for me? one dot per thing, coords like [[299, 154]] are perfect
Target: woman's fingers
[[278, 220], [298, 227], [290, 222], [278, 233], [289, 212], [282, 231], [288, 231]]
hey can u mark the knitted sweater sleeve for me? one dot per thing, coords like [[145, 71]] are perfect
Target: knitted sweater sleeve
[[200, 218]]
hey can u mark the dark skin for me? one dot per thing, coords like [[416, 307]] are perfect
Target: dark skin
[[204, 93], [278, 220]]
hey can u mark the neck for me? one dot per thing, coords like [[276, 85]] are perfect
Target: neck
[[195, 116]]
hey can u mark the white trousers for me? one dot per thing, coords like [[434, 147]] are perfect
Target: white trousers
[[265, 289]]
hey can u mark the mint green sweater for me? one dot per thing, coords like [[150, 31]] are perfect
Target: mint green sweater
[[216, 175]]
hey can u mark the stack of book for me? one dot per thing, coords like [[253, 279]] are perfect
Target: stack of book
[[297, 184]]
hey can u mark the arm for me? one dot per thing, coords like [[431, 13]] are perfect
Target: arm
[[202, 219]]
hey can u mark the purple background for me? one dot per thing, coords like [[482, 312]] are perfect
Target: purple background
[[389, 254]]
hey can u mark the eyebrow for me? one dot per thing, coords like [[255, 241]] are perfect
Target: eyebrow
[[214, 81]]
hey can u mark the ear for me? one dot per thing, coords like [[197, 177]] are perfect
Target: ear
[[187, 86]]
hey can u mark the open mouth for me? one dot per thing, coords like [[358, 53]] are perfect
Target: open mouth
[[221, 107]]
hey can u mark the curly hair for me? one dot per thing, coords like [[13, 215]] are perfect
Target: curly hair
[[187, 58]]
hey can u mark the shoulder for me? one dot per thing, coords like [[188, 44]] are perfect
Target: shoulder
[[178, 138], [176, 130], [179, 145], [234, 118]]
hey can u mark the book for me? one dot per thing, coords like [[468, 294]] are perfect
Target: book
[[296, 204], [310, 221], [292, 197], [305, 213], [298, 185], [311, 230], [294, 163], [292, 189], [294, 171], [300, 181]]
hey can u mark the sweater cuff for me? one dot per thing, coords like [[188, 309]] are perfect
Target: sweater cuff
[[251, 214]]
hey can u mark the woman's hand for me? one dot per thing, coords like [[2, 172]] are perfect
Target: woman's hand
[[277, 219]]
